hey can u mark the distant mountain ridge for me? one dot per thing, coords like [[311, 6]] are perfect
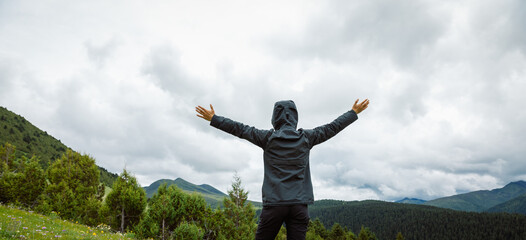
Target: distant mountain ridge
[[479, 201], [411, 201], [183, 185], [211, 195]]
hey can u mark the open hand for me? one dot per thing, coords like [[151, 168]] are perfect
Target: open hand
[[358, 108], [204, 113]]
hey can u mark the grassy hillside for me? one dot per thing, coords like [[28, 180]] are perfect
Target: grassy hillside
[[20, 224], [480, 201], [30, 140], [386, 219]]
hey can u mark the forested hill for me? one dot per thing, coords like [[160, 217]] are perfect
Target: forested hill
[[516, 205], [30, 140], [479, 201], [386, 219]]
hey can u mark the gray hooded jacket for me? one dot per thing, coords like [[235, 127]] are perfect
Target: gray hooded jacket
[[286, 151]]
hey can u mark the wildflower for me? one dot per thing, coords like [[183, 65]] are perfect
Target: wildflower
[[94, 234], [43, 228], [24, 227]]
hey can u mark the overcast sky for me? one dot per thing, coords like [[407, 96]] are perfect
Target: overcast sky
[[119, 80]]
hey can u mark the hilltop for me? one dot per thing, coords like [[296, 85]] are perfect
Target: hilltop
[[30, 140]]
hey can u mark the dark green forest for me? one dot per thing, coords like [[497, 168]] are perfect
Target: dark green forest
[[386, 219]]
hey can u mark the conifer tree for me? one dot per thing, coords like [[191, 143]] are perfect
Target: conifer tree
[[8, 178], [318, 228], [366, 234], [32, 182], [240, 222], [337, 232], [166, 209], [74, 180], [125, 203]]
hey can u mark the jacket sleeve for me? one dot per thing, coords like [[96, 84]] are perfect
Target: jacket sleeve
[[327, 131], [251, 134]]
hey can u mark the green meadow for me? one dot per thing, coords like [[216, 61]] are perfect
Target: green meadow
[[20, 224]]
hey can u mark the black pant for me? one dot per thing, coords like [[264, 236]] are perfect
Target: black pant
[[296, 218]]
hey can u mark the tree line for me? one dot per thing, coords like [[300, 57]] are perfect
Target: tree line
[[70, 188], [419, 221]]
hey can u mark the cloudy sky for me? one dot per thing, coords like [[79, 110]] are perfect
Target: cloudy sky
[[119, 80]]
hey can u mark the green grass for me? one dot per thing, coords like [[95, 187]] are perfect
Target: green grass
[[20, 224]]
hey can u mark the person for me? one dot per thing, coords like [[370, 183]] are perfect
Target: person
[[287, 187]]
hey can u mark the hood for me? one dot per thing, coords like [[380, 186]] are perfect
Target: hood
[[285, 114]]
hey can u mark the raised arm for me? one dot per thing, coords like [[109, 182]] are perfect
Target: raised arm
[[252, 134], [327, 131]]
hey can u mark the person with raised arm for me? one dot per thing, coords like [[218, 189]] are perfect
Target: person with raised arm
[[287, 187]]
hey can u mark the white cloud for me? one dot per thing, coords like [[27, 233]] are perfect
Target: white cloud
[[120, 80]]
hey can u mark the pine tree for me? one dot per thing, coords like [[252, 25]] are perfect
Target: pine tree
[[32, 182], [366, 234], [318, 227], [399, 236], [125, 203], [337, 232], [166, 209], [240, 222], [73, 181]]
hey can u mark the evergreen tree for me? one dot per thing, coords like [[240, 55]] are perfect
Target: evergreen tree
[[240, 222], [399, 236], [125, 203], [213, 224], [188, 231], [166, 209], [7, 157], [318, 228], [8, 178], [337, 232], [32, 182], [282, 234], [366, 234], [73, 181], [311, 235], [195, 208]]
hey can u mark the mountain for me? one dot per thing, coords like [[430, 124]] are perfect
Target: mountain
[[386, 219], [30, 140], [212, 196], [480, 201], [411, 201], [516, 205]]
